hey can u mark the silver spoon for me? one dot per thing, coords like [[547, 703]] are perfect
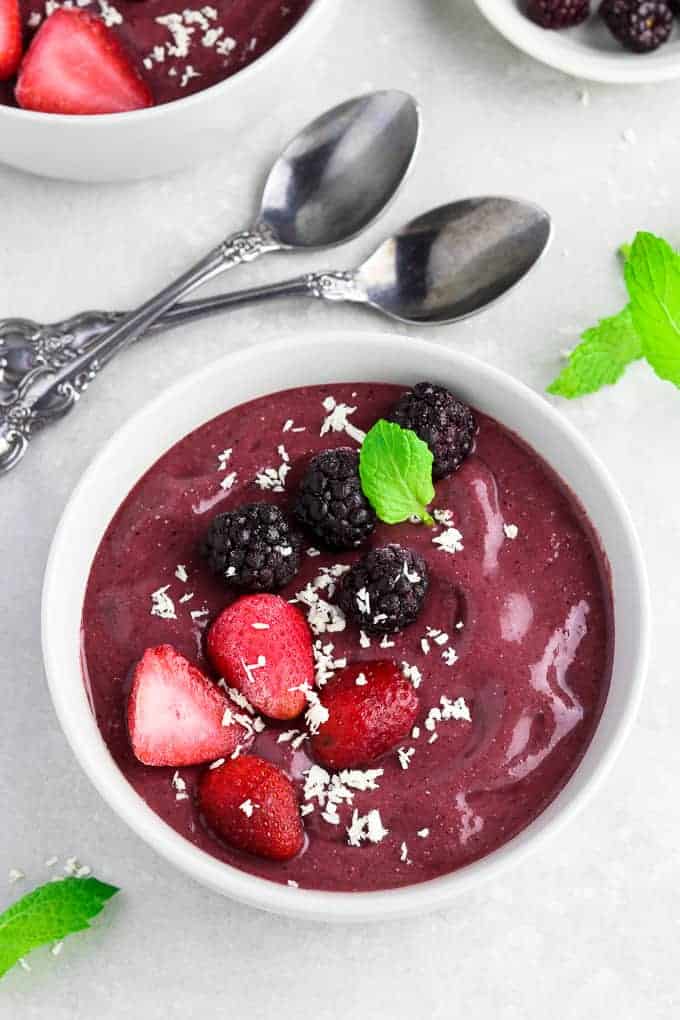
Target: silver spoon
[[443, 266], [330, 183]]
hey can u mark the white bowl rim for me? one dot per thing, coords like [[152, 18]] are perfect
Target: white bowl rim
[[71, 702], [550, 48], [306, 21]]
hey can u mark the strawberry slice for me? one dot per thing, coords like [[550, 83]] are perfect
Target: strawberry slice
[[253, 806], [262, 645], [75, 64], [371, 708], [175, 713], [10, 38]]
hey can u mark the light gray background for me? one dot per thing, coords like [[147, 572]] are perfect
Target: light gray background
[[588, 927]]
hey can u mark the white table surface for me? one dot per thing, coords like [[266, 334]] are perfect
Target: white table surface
[[588, 927]]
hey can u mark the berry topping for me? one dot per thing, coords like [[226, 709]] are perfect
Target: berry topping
[[253, 547], [262, 646], [371, 707], [75, 64], [175, 713], [440, 420], [252, 805], [330, 500], [639, 25], [558, 13], [384, 591], [10, 38]]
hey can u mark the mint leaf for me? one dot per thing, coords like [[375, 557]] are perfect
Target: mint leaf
[[395, 467], [49, 913], [625, 250], [653, 281], [601, 357]]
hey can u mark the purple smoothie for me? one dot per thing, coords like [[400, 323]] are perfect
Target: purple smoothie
[[529, 618], [189, 48]]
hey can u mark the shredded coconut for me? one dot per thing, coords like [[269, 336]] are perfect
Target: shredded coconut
[[449, 541], [162, 605], [337, 420]]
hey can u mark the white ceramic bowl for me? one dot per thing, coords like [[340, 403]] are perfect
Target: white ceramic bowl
[[162, 139], [293, 362], [587, 51]]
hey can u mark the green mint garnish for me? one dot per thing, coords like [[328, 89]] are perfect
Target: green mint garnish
[[653, 281], [648, 327], [601, 358], [48, 914], [395, 467]]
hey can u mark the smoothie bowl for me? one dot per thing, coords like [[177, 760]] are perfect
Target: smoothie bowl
[[311, 709], [102, 92]]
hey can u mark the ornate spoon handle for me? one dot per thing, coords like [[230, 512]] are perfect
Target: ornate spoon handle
[[61, 372]]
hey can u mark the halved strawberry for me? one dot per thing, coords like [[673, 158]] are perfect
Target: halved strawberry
[[263, 646], [75, 64], [371, 707], [10, 38], [175, 713], [253, 806]]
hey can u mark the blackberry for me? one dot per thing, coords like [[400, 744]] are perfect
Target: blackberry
[[639, 25], [330, 500], [384, 591], [444, 423], [253, 547], [558, 13]]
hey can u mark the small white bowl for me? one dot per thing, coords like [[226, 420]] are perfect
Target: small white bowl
[[165, 138], [587, 51], [264, 369]]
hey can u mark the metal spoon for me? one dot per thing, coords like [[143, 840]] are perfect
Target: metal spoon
[[443, 266], [329, 183]]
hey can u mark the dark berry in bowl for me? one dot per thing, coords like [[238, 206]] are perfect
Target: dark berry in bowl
[[440, 420], [253, 547], [330, 501], [384, 591], [558, 13], [639, 25]]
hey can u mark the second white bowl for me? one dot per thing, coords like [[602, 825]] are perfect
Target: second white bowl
[[587, 51]]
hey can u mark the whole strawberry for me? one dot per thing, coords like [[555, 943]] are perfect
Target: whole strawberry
[[252, 805], [262, 646], [558, 13], [371, 707], [175, 714]]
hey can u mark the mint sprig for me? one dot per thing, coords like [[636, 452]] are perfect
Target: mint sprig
[[648, 327], [395, 468], [601, 358], [653, 280], [49, 913]]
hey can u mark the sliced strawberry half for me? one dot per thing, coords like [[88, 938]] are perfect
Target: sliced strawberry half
[[262, 645], [371, 708], [175, 713], [10, 38], [253, 806], [75, 64]]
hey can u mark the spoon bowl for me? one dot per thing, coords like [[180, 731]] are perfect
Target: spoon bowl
[[338, 174], [455, 259]]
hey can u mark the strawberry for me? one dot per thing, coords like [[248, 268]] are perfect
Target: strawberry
[[365, 719], [175, 713], [253, 806], [75, 64], [10, 38], [262, 645]]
